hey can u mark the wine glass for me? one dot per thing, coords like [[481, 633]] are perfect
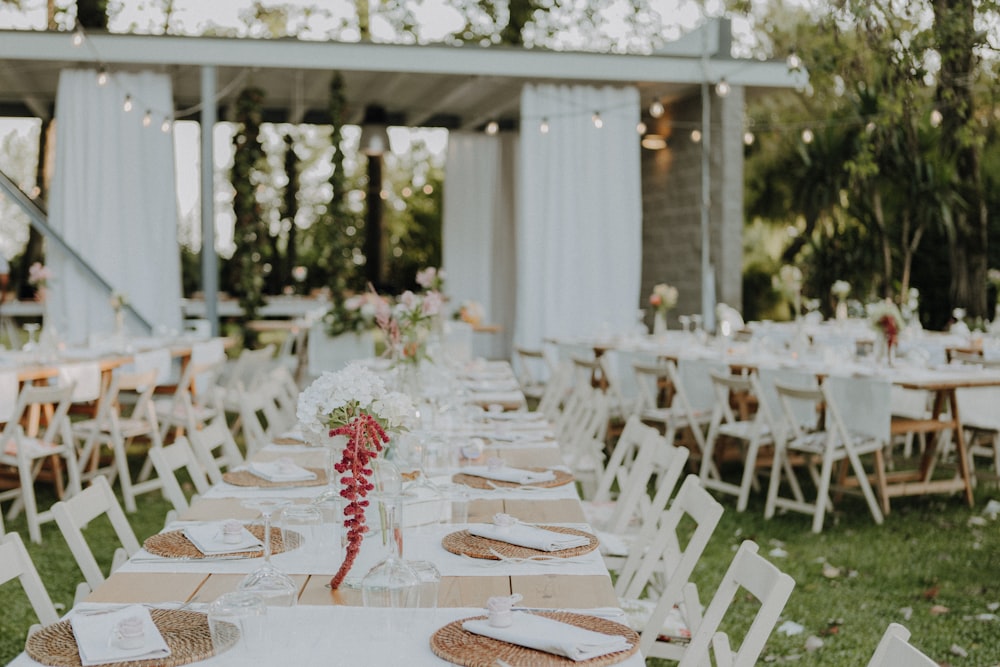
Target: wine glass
[[31, 345], [272, 584]]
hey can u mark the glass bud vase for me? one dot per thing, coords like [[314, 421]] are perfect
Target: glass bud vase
[[659, 323]]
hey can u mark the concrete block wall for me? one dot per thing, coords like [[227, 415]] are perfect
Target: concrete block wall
[[671, 201]]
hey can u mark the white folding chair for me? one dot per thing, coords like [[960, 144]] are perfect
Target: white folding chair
[[28, 453], [556, 390], [215, 435], [693, 399], [665, 557], [581, 434], [977, 408], [195, 400], [74, 514], [168, 460], [532, 368], [869, 434], [115, 428], [752, 434], [771, 587], [895, 650], [16, 563]]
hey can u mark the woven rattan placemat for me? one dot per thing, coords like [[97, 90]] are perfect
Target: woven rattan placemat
[[174, 544], [186, 633], [247, 478], [476, 482], [456, 645], [464, 543]]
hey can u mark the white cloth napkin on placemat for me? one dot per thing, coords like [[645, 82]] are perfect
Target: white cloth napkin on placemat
[[95, 637], [532, 537], [508, 474], [551, 636], [281, 471], [208, 538]]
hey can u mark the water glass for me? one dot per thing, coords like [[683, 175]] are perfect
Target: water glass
[[430, 583], [459, 496], [302, 529], [236, 621]]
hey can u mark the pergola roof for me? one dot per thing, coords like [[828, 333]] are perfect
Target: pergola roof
[[457, 87]]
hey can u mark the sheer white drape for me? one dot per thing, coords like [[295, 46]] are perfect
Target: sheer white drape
[[579, 222], [478, 231], [114, 201]]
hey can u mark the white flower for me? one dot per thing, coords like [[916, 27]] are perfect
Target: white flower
[[432, 303], [334, 399]]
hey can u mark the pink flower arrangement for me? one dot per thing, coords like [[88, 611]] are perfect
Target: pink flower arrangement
[[39, 275], [431, 278]]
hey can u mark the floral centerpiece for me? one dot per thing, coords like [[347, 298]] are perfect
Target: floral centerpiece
[[790, 282], [840, 289], [407, 325], [118, 301], [886, 319], [355, 314], [662, 299], [470, 312], [39, 276], [431, 279], [354, 403]]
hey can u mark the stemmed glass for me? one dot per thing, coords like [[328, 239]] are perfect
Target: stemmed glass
[[272, 584], [31, 345], [685, 321]]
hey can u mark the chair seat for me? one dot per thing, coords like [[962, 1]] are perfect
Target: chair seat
[[34, 448], [169, 409], [744, 430], [815, 443], [637, 613]]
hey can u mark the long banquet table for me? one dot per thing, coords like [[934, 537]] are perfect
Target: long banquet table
[[330, 627]]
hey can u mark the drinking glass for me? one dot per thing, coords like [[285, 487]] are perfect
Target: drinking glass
[[31, 345], [430, 583], [272, 584], [236, 622], [302, 529]]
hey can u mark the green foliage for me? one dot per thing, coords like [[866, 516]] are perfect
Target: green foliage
[[92, 13], [251, 256]]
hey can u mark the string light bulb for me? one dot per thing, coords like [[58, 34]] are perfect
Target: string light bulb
[[597, 120], [147, 118], [492, 127], [696, 136], [807, 136], [165, 125], [748, 138], [543, 127], [656, 109], [936, 118], [127, 105], [640, 128], [793, 61], [102, 77], [78, 35], [722, 88]]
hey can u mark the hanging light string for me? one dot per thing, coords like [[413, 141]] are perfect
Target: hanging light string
[[131, 101]]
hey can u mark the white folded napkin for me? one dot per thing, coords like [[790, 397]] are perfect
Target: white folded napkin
[[96, 642], [532, 537], [508, 474], [281, 471], [208, 538], [546, 634]]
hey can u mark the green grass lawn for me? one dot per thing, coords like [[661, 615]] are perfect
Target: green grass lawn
[[930, 557]]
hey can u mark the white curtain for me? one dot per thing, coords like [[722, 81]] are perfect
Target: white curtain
[[114, 201], [478, 231], [579, 219]]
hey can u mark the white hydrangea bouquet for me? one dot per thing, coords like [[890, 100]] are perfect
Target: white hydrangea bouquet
[[354, 403]]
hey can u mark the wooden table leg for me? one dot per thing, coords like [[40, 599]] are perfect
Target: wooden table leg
[[963, 460]]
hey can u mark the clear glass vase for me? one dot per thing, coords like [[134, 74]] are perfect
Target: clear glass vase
[[391, 583]]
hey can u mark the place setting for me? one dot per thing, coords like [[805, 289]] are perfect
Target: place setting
[[497, 475], [509, 539], [280, 473], [133, 635], [506, 635]]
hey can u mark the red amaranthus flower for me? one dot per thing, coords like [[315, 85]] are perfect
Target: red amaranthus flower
[[889, 328], [365, 439]]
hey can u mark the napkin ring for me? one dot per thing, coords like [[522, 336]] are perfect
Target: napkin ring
[[129, 633], [501, 609]]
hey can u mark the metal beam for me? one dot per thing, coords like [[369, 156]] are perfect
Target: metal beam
[[209, 262], [40, 221]]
